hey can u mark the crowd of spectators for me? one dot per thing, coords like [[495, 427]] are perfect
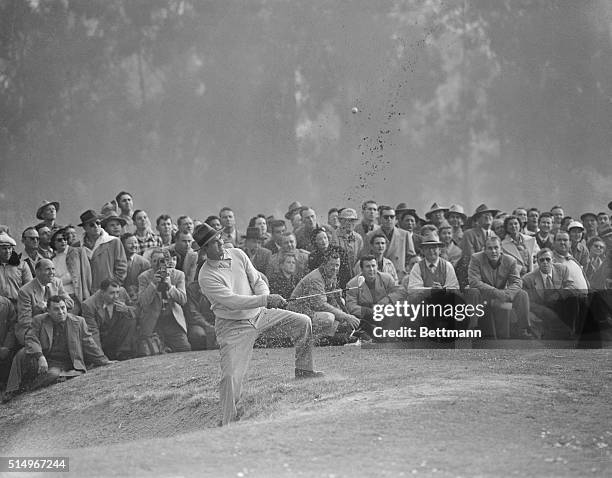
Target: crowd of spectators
[[126, 288]]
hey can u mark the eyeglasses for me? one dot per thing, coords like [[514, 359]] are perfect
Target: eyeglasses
[[32, 238], [94, 224], [61, 239], [389, 216], [545, 259], [598, 246]]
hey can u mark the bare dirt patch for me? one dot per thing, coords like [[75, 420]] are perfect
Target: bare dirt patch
[[377, 413]]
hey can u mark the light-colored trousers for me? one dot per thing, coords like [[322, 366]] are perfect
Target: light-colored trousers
[[236, 339]]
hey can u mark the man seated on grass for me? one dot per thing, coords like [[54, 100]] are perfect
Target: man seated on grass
[[360, 300], [57, 345], [111, 322], [326, 310]]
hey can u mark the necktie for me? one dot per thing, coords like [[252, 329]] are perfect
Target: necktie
[[548, 284], [106, 314], [432, 268], [47, 293]]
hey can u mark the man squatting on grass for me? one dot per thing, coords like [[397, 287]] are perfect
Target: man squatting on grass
[[244, 307]]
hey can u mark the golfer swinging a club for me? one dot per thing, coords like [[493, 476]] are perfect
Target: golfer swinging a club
[[244, 307]]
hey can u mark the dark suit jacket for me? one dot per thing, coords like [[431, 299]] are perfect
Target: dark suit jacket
[[81, 344], [8, 318], [473, 241], [260, 258], [135, 267], [534, 285], [95, 316], [502, 282], [31, 302]]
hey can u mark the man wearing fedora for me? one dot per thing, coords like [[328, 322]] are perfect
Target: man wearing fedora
[[244, 308], [47, 213], [495, 277], [293, 215], [457, 218], [348, 239], [260, 256], [474, 239], [105, 252], [432, 272], [14, 274], [369, 216], [435, 215]]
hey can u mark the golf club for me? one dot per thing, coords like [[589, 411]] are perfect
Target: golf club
[[360, 282]]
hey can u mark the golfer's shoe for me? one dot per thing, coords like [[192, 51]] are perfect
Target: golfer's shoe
[[300, 373]]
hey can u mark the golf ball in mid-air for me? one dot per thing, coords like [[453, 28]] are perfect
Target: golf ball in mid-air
[[355, 110]]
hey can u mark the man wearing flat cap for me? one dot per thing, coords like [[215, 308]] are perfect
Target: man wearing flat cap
[[14, 274], [105, 252], [244, 308], [347, 237], [47, 212]]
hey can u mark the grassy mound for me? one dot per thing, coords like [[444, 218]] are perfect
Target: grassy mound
[[450, 412]]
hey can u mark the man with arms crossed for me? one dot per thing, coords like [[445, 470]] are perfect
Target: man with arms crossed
[[244, 307]]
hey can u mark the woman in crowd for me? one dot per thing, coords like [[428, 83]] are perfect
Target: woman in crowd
[[518, 245], [72, 268]]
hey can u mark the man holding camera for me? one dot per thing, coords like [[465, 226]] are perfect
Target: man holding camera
[[161, 295]]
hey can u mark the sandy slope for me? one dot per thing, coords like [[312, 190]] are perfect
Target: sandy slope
[[378, 413]]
